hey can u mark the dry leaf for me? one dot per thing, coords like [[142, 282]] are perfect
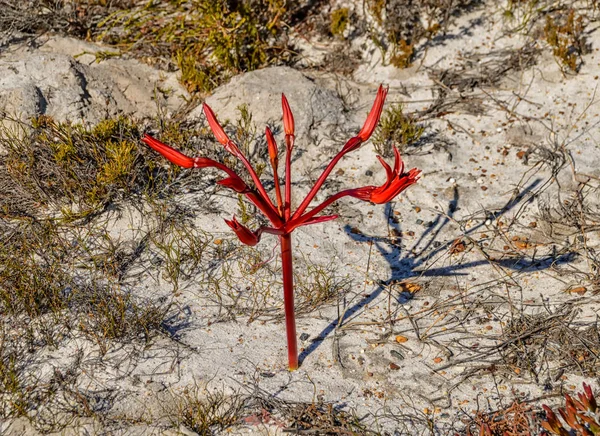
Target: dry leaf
[[522, 245], [579, 290], [458, 246], [413, 288]]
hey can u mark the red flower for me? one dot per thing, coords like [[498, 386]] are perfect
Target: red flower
[[245, 235], [281, 217], [397, 181]]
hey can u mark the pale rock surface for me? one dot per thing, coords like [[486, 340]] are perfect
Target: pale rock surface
[[55, 80], [313, 106]]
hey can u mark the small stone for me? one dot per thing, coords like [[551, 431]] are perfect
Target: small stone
[[394, 367], [304, 336]]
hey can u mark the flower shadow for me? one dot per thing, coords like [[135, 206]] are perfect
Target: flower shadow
[[414, 262]]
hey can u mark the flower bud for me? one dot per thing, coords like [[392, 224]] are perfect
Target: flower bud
[[288, 117]]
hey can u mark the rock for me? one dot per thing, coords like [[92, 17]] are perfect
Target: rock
[[313, 106], [50, 81]]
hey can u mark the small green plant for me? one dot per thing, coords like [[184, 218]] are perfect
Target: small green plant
[[180, 247], [205, 411], [396, 129], [403, 54], [340, 19], [245, 130], [564, 33]]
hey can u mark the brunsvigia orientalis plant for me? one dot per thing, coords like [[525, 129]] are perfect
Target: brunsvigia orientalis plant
[[283, 219]]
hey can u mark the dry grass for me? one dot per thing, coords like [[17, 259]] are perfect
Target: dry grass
[[403, 25]]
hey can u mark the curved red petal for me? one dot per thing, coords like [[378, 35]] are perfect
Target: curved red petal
[[216, 128], [168, 152], [398, 163], [388, 169], [374, 115]]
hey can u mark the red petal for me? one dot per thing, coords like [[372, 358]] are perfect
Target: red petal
[[398, 164], [388, 170], [272, 145], [288, 117], [363, 193], [235, 183], [244, 234], [215, 126], [170, 153], [373, 118]]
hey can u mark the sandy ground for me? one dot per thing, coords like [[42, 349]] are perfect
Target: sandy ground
[[438, 292]]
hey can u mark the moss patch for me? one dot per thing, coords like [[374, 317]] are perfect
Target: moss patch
[[339, 21]]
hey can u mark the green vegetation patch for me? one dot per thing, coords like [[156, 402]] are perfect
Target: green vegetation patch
[[402, 24], [396, 129], [208, 40], [339, 21], [78, 169], [564, 33]]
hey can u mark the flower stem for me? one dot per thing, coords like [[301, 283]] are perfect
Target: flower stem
[[288, 299], [289, 142]]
